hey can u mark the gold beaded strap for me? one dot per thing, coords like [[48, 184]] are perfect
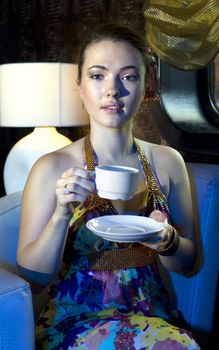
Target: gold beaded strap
[[103, 205], [89, 156], [159, 199], [125, 258], [153, 193]]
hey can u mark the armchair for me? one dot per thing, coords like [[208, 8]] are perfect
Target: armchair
[[195, 296], [16, 308]]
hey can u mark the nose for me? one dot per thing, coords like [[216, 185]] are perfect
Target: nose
[[112, 90], [112, 93]]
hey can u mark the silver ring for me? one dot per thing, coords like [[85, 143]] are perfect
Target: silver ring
[[66, 190]]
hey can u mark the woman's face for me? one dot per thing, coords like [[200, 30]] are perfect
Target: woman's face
[[112, 82]]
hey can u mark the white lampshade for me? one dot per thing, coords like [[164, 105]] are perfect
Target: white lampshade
[[40, 95]]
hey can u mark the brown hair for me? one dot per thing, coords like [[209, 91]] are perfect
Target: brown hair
[[115, 33]]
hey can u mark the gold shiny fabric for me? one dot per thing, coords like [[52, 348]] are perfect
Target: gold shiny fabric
[[183, 33], [134, 256]]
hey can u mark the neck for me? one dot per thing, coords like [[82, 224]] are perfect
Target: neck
[[112, 144]]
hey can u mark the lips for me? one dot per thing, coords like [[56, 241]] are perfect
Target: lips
[[113, 108]]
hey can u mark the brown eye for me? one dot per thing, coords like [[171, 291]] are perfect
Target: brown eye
[[130, 77], [97, 76]]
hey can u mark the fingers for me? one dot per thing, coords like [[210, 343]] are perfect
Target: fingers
[[166, 234], [158, 216], [162, 238], [78, 171], [75, 185]]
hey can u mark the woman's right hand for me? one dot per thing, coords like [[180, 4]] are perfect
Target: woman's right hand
[[73, 188]]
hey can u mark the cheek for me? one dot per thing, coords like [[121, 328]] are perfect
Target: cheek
[[135, 102], [87, 96], [137, 97], [89, 93]]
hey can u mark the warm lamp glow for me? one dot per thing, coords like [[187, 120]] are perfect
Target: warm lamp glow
[[40, 94], [37, 95]]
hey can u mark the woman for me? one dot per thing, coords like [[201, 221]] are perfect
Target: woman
[[123, 306]]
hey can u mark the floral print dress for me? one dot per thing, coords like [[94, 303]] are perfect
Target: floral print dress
[[122, 309]]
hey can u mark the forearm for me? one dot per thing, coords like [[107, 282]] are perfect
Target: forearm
[[44, 255], [183, 259]]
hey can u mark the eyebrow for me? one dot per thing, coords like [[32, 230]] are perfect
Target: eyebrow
[[105, 68]]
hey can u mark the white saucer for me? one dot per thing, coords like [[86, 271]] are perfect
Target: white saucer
[[125, 228]]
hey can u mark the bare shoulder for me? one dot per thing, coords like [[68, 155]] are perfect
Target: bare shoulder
[[68, 156], [164, 159], [152, 150], [53, 164]]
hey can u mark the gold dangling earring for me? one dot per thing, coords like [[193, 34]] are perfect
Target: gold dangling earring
[[83, 106]]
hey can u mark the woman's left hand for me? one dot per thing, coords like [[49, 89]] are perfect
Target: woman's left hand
[[162, 239]]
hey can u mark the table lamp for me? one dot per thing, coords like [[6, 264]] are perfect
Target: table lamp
[[43, 96]]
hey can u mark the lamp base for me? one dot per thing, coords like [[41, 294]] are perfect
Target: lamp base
[[26, 151]]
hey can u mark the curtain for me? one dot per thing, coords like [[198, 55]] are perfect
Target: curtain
[[52, 30], [183, 33]]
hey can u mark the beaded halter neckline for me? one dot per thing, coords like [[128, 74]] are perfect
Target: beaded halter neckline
[[153, 199]]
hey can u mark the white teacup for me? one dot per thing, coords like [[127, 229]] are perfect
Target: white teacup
[[116, 181]]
